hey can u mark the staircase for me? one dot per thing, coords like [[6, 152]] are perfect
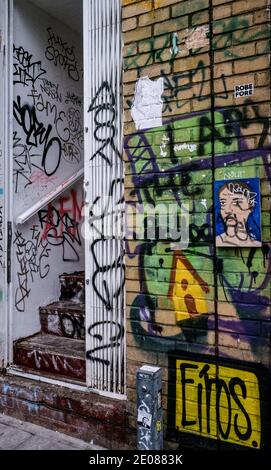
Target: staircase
[[58, 352], [59, 348]]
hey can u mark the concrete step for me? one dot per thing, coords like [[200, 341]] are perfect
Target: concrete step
[[72, 287], [49, 353], [65, 319]]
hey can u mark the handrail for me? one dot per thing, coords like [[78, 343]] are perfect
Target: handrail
[[21, 219]]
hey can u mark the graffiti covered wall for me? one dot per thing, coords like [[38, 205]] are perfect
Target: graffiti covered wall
[[47, 151], [197, 107]]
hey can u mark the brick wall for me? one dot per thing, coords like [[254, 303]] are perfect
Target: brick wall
[[201, 312]]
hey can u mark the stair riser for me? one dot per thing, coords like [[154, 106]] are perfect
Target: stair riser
[[50, 362], [72, 286], [63, 324]]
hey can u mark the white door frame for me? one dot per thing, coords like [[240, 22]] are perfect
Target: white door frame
[[6, 120], [102, 63]]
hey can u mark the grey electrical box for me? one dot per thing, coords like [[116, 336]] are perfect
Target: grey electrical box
[[149, 408]]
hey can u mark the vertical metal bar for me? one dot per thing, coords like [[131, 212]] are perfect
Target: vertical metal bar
[[99, 188], [114, 241], [93, 184], [88, 66], [93, 179], [111, 272], [91, 79], [86, 52], [107, 243], [113, 278], [120, 175], [105, 180], [99, 185]]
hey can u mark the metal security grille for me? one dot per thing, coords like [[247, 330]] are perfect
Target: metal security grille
[[104, 186]]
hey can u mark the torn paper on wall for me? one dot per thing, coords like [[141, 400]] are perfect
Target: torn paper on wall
[[197, 37], [148, 104]]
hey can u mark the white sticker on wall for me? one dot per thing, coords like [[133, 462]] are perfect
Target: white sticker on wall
[[247, 89], [148, 104]]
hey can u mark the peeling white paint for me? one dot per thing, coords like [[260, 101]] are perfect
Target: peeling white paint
[[163, 146], [204, 203], [234, 174], [185, 146], [177, 147], [175, 49], [197, 37], [148, 104]]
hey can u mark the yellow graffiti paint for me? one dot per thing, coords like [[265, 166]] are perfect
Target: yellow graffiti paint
[[188, 290], [218, 402]]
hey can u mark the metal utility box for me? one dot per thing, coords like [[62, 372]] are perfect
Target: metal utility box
[[149, 408]]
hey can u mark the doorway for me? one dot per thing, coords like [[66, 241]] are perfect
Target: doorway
[[67, 312], [48, 160]]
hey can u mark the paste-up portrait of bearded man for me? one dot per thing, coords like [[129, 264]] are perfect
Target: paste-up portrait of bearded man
[[237, 204]]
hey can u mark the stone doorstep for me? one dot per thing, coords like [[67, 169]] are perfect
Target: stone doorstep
[[85, 415]]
